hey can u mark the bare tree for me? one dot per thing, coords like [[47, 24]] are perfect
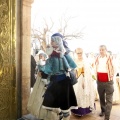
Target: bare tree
[[63, 28], [43, 36]]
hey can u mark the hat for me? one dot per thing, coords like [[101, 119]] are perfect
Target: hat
[[44, 55], [58, 39], [57, 34], [40, 51], [64, 42]]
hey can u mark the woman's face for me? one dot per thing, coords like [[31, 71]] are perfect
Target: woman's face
[[79, 52], [53, 43]]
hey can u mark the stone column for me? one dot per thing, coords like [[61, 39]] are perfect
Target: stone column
[[25, 43]]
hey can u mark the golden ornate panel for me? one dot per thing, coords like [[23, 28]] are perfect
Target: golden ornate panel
[[7, 60]]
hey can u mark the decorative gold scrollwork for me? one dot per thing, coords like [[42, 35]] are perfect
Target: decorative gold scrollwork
[[7, 60]]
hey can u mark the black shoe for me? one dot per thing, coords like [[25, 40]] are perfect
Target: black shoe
[[106, 118], [101, 114], [60, 116]]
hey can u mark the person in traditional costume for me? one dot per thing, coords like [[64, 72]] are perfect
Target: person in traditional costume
[[116, 79], [91, 58], [105, 74], [59, 95], [84, 88], [34, 105], [33, 66], [118, 70]]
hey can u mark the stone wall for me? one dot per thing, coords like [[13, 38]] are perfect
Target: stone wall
[[25, 47]]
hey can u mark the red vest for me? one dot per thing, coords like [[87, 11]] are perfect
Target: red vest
[[102, 77]]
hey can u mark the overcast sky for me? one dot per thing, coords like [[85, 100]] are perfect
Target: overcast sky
[[99, 20]]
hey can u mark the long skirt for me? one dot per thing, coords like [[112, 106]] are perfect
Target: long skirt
[[116, 94], [34, 105], [60, 94], [86, 103]]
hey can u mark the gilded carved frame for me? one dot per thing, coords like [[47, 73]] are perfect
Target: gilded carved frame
[[7, 60]]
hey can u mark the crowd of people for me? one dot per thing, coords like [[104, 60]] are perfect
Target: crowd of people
[[68, 82]]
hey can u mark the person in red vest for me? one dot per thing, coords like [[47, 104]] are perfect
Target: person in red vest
[[105, 73]]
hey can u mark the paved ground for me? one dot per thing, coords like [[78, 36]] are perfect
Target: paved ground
[[115, 114]]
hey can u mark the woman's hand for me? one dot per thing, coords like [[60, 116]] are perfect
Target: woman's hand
[[39, 74]]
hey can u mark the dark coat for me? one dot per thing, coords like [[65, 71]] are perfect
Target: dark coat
[[33, 66]]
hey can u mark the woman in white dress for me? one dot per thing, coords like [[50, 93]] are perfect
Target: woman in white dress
[[116, 63], [116, 78], [84, 89], [91, 58]]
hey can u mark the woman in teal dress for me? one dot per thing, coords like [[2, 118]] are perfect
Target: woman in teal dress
[[60, 93]]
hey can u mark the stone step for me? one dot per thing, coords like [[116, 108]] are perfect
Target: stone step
[[28, 117]]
